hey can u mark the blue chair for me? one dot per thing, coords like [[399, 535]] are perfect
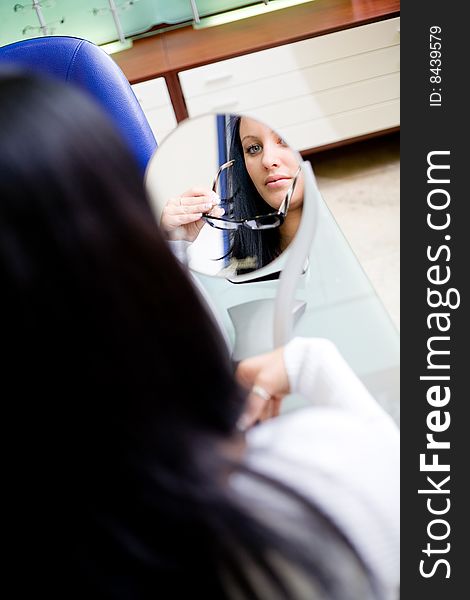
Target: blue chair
[[90, 68]]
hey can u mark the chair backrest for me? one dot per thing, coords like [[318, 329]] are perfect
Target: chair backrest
[[89, 67]]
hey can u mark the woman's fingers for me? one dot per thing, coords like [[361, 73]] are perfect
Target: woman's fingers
[[266, 377], [190, 209], [217, 211], [181, 216], [185, 219], [192, 204], [197, 196], [267, 370], [258, 409], [259, 406], [196, 192], [276, 406], [194, 200]]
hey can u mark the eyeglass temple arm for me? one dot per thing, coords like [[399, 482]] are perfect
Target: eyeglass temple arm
[[221, 168], [286, 202]]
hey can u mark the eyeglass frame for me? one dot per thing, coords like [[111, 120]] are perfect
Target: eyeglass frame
[[280, 213]]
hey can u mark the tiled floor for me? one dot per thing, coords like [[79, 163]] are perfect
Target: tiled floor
[[360, 183]]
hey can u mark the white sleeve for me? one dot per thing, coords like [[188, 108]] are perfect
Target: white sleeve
[[343, 452], [317, 371], [180, 249]]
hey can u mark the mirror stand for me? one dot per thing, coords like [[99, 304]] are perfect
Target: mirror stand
[[285, 305], [252, 322]]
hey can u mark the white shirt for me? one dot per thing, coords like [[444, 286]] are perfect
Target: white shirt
[[343, 453]]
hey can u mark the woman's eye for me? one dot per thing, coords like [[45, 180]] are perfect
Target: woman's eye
[[253, 149], [281, 142]]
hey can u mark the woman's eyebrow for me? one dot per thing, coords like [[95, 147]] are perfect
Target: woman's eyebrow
[[249, 136]]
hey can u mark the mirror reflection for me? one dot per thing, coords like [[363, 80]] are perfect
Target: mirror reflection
[[229, 189]]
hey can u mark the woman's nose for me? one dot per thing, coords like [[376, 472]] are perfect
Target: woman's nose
[[271, 156]]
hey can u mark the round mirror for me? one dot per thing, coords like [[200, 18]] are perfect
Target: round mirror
[[228, 192]]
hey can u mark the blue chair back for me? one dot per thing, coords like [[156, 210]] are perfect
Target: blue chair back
[[90, 68]]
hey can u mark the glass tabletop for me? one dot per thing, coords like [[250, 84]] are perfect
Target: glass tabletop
[[336, 301]]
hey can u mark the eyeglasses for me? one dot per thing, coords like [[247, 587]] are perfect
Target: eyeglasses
[[259, 222], [217, 178]]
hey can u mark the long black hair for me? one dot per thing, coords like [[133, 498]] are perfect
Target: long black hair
[[121, 393], [260, 247]]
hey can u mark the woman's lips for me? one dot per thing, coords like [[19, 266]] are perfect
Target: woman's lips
[[277, 182]]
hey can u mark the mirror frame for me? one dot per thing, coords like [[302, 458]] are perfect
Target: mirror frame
[[279, 263]]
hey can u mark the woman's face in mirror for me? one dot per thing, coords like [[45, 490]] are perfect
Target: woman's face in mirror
[[222, 199], [270, 163]]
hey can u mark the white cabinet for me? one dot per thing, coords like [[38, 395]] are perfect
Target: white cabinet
[[315, 92], [155, 100]]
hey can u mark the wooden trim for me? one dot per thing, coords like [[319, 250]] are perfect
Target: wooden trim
[[186, 48], [176, 96], [359, 138], [166, 54]]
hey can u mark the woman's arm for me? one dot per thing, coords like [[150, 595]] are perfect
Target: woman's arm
[[342, 452], [311, 367]]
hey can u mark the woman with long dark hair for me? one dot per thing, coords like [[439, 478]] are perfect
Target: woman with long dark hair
[[261, 172], [130, 471], [264, 169]]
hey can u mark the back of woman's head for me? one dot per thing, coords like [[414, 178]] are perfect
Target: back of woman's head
[[96, 313], [117, 378], [119, 390]]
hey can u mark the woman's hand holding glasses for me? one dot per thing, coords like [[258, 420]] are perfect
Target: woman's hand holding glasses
[[182, 216]]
